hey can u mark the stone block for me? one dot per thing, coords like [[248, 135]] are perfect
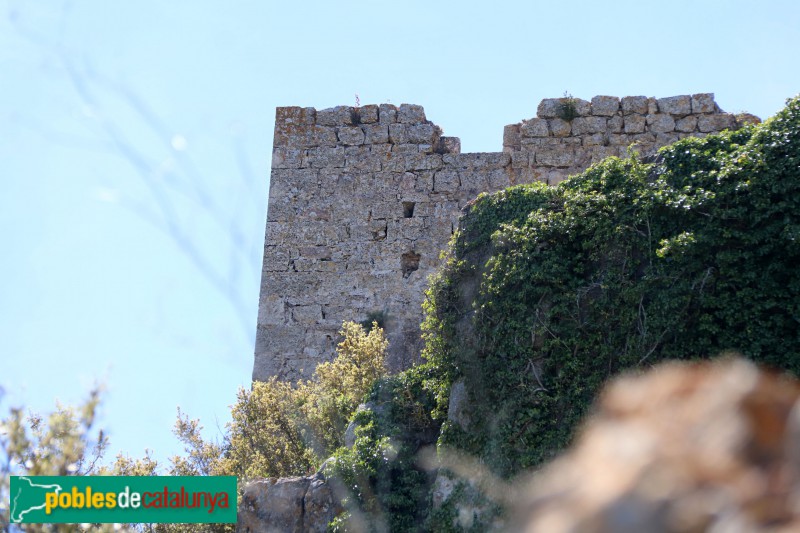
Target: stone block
[[421, 133], [584, 125], [446, 181], [634, 105], [398, 133], [556, 157], [605, 106], [675, 105], [559, 127], [387, 114], [549, 108], [376, 133], [614, 124], [336, 116], [323, 136], [368, 114], [511, 137], [535, 127], [715, 123], [422, 161], [594, 139], [411, 114], [652, 106], [660, 123], [351, 136], [287, 157], [325, 156], [521, 159], [686, 124], [703, 103], [498, 179], [307, 314], [634, 123]]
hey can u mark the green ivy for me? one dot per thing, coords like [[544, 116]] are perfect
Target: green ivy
[[547, 292]]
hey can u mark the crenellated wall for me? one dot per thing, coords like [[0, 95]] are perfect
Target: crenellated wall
[[363, 200]]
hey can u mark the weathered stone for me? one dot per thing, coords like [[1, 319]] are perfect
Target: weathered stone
[[323, 136], [535, 127], [614, 124], [703, 103], [511, 137], [376, 133], [287, 157], [421, 133], [398, 134], [326, 157], [660, 123], [351, 136], [605, 106], [368, 114], [446, 181], [634, 104], [686, 124], [675, 105], [718, 122], [336, 116], [634, 123], [559, 127], [387, 114], [555, 158], [290, 505], [584, 125], [411, 114], [549, 108], [595, 139], [685, 447]]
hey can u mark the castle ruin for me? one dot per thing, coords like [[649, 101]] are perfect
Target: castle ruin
[[363, 200]]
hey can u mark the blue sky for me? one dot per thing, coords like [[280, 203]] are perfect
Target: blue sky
[[135, 142]]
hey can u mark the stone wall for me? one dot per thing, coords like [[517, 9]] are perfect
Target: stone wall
[[363, 200]]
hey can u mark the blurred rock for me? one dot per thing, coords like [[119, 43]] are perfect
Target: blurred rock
[[684, 447]]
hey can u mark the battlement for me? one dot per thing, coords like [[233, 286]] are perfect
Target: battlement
[[362, 201]]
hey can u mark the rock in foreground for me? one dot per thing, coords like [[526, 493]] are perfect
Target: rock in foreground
[[702, 447]]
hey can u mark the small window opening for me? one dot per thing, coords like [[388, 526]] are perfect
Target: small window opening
[[409, 262], [408, 209]]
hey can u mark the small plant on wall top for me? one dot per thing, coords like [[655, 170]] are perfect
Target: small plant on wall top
[[568, 109]]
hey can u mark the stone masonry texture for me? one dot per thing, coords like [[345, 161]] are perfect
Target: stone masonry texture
[[363, 200]]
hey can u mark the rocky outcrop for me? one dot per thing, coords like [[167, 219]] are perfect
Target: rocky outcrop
[[287, 505], [703, 447]]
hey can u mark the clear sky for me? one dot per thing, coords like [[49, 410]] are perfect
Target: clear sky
[[135, 143]]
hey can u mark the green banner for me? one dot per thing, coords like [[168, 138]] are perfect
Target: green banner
[[123, 499]]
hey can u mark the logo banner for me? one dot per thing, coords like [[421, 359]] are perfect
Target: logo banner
[[123, 499]]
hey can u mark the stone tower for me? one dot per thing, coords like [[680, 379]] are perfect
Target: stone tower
[[363, 200]]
